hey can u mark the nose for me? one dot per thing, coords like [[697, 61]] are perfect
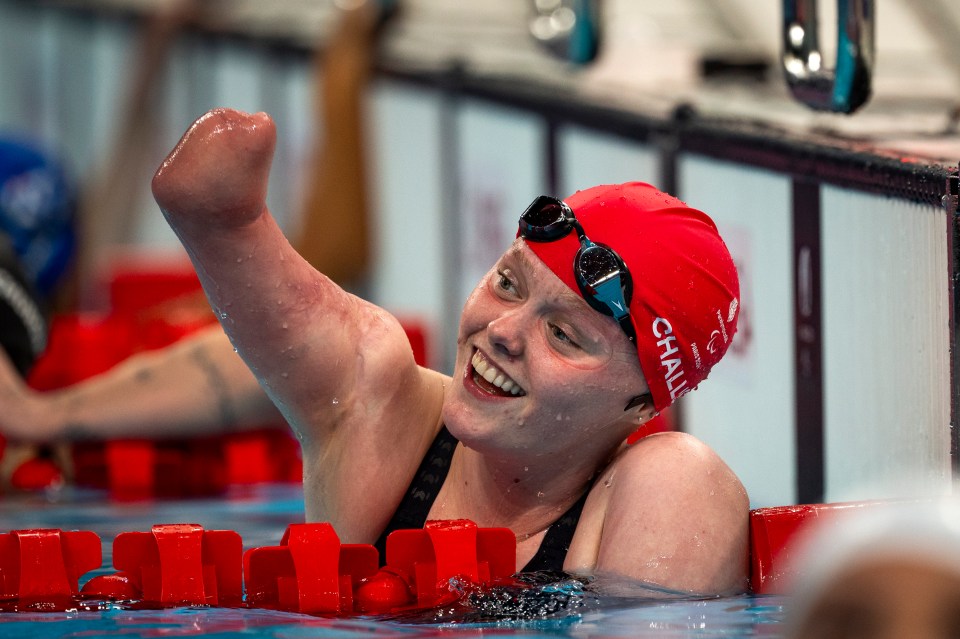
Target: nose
[[507, 332]]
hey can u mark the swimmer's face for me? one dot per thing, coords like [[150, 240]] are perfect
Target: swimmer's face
[[883, 598], [561, 373]]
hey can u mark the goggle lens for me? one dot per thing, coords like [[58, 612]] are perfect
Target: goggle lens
[[602, 276]]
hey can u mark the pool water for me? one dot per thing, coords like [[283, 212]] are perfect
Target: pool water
[[260, 515]]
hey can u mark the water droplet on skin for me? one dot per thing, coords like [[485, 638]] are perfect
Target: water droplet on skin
[[285, 375], [539, 494], [335, 401], [239, 260], [607, 483], [559, 417], [284, 326], [526, 468]]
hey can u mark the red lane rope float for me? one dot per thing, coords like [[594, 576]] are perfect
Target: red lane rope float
[[774, 532], [443, 550], [175, 564], [41, 568], [309, 572]]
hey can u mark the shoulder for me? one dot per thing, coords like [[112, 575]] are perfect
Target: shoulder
[[383, 354], [679, 456], [671, 512], [382, 395]]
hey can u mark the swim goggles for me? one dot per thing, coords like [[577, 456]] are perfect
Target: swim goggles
[[603, 278]]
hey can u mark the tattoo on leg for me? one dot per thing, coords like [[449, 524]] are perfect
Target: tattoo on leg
[[217, 382]]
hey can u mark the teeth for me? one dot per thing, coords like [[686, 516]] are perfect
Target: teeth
[[495, 376], [479, 364]]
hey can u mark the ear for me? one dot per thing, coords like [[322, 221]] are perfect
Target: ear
[[642, 406]]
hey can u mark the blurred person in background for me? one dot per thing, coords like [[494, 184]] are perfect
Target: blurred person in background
[[883, 571]]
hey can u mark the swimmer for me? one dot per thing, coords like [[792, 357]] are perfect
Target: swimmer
[[889, 571], [550, 378]]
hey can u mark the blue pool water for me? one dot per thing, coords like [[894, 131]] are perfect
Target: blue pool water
[[261, 514]]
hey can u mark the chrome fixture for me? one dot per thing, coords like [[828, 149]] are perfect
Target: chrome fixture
[[846, 87], [569, 29]]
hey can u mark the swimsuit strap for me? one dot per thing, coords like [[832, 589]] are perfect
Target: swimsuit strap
[[553, 549], [415, 505]]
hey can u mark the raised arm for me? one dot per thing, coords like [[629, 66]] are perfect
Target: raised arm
[[315, 348], [201, 386]]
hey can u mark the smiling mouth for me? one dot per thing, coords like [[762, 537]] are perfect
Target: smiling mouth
[[493, 380]]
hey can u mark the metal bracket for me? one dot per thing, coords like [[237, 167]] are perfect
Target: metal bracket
[[951, 199], [568, 29], [847, 86]]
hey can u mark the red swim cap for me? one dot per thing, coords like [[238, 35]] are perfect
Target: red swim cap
[[686, 292]]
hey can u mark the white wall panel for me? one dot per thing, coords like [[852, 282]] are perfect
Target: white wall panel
[[17, 30], [288, 95], [407, 178], [588, 158], [501, 170], [109, 79], [45, 121], [75, 101], [886, 349], [745, 410]]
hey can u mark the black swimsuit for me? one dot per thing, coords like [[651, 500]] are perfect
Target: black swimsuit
[[415, 506]]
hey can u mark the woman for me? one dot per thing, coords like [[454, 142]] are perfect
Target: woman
[[549, 379]]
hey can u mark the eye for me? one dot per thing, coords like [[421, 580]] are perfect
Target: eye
[[561, 336], [505, 283]]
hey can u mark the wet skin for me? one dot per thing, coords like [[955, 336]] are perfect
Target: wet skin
[[577, 369], [666, 510]]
